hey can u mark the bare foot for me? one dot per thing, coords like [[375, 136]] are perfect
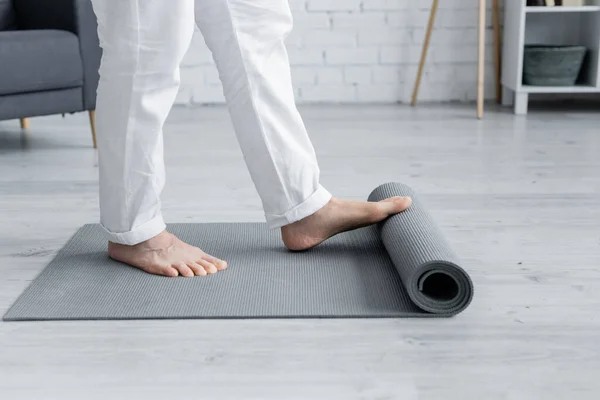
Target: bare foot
[[166, 255], [339, 216]]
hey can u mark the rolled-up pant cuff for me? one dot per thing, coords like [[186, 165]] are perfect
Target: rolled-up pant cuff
[[308, 207], [139, 234]]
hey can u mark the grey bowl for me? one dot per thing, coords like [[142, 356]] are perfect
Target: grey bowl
[[545, 65]]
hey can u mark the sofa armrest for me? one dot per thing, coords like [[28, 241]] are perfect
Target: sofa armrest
[[76, 16]]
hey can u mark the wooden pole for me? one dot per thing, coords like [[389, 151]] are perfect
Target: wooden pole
[[481, 61], [434, 8], [93, 126]]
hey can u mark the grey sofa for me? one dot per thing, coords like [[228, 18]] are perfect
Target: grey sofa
[[49, 58]]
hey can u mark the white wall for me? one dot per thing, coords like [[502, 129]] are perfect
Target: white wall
[[354, 51]]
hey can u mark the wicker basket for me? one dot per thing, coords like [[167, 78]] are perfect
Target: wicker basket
[[545, 65]]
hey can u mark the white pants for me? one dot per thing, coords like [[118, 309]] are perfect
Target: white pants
[[143, 43]]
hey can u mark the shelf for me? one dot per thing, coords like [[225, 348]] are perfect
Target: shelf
[[561, 9], [555, 25], [559, 89]]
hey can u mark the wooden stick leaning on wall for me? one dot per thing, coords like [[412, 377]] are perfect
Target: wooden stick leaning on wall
[[434, 8], [481, 59], [93, 126]]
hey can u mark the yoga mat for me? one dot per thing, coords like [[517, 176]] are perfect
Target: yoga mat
[[402, 267]]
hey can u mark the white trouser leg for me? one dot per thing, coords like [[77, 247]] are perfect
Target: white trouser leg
[[143, 43], [246, 38]]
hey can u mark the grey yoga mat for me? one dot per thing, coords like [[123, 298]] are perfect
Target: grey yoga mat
[[401, 268]]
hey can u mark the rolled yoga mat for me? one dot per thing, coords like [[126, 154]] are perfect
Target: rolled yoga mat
[[402, 267], [428, 267]]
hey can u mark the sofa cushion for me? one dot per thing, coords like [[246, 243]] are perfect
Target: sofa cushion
[[7, 15], [32, 61]]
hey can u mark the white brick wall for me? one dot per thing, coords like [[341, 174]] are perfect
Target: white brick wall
[[354, 51]]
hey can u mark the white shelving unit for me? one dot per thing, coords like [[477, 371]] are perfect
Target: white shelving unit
[[557, 25]]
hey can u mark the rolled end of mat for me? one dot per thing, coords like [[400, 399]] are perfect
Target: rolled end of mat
[[428, 267]]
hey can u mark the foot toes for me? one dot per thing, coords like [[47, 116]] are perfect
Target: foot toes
[[220, 264], [208, 266], [184, 270], [395, 205], [403, 203], [197, 268], [171, 272], [161, 270]]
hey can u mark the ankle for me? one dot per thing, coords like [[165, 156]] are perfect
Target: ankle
[[163, 239]]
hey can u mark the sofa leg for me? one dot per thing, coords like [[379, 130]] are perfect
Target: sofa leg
[[93, 126], [24, 123]]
